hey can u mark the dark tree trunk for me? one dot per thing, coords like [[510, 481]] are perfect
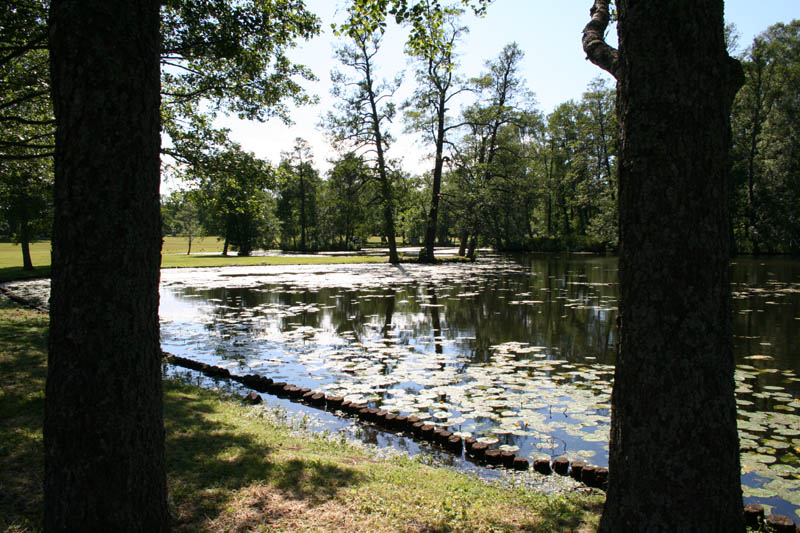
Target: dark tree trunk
[[225, 247], [25, 244], [427, 253], [302, 212], [473, 244], [462, 247], [103, 428], [674, 454]]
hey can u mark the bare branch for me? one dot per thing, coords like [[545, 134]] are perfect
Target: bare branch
[[594, 44]]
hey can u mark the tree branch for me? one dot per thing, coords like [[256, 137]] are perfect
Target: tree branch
[[594, 44]]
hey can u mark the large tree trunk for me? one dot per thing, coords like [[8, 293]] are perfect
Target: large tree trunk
[[103, 428], [674, 454]]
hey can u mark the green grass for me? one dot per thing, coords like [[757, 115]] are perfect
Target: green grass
[[184, 261], [233, 467], [179, 245], [205, 253], [11, 261]]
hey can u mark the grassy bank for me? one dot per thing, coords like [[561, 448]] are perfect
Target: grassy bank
[[233, 467]]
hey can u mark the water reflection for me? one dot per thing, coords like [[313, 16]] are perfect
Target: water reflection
[[515, 351]]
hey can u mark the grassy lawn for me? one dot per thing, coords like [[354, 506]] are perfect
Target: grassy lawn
[[11, 261], [179, 245], [233, 467], [205, 253], [185, 261]]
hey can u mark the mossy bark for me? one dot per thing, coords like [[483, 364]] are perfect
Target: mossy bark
[[103, 430]]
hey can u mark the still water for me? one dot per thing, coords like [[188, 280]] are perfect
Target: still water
[[518, 352]]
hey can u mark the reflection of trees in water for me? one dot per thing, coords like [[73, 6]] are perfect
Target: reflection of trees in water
[[477, 314]]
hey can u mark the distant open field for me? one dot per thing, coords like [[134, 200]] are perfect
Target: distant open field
[[205, 253], [11, 260], [179, 245]]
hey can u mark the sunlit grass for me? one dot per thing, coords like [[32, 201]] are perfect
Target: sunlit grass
[[200, 245], [205, 253], [237, 468], [11, 261], [186, 261]]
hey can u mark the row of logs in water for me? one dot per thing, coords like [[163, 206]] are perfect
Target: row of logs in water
[[479, 452]]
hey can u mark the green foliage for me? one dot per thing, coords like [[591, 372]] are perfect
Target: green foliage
[[26, 125], [423, 16], [766, 149], [364, 108], [231, 190], [346, 193], [233, 55], [26, 116], [298, 187]]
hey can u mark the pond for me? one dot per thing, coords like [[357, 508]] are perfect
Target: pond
[[518, 352]]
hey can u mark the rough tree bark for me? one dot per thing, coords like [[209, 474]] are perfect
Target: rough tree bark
[[103, 429], [674, 459]]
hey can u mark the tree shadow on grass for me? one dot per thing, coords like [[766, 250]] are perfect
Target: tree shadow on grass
[[18, 273], [210, 457], [23, 345]]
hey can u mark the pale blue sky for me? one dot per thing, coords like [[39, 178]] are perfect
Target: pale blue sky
[[554, 66]]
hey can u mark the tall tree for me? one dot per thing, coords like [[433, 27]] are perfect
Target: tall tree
[[231, 189], [348, 198], [364, 109], [298, 186], [427, 110], [674, 456], [26, 200], [766, 153], [501, 93], [103, 428]]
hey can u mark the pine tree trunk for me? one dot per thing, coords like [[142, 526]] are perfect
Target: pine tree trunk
[[103, 428], [674, 455]]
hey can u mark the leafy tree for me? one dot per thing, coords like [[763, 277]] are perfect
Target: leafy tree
[[26, 124], [426, 110], [26, 201], [26, 115], [232, 193], [179, 215], [298, 187], [364, 109], [766, 154], [483, 175], [348, 199], [598, 127], [103, 427], [673, 398]]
